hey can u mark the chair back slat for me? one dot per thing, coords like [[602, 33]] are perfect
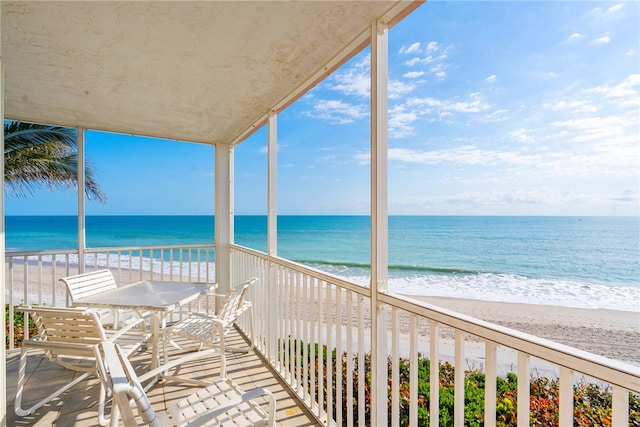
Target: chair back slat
[[88, 284], [235, 300], [66, 325]]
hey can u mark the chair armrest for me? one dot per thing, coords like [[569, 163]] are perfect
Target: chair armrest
[[120, 381], [129, 324]]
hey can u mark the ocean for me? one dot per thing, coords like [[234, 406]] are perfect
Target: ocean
[[588, 262]]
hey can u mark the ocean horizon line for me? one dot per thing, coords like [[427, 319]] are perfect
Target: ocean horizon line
[[338, 215]]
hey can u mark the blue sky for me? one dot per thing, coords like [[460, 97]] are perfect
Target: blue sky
[[496, 108]]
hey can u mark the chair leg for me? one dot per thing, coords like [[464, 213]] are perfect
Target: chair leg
[[251, 333], [251, 336], [22, 379], [102, 420]]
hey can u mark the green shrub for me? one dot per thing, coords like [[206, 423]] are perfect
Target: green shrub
[[592, 402], [18, 327]]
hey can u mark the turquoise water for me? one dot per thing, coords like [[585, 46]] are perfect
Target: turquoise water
[[566, 261]]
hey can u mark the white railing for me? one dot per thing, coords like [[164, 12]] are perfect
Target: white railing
[[33, 277], [306, 321], [303, 314]]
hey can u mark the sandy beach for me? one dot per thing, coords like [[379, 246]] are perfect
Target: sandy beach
[[610, 333]]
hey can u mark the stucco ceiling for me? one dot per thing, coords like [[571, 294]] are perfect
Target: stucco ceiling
[[185, 70]]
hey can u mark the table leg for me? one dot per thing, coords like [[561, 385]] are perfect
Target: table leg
[[155, 331]]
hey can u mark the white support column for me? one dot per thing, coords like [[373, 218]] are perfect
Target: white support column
[[3, 351], [379, 220], [272, 227], [82, 243], [223, 215], [272, 185]]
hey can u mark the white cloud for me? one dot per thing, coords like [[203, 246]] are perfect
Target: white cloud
[[413, 61], [338, 112], [351, 82], [491, 79], [615, 8], [403, 115], [626, 91], [398, 88], [436, 56], [574, 37], [605, 13], [400, 122], [521, 200], [415, 47], [603, 39], [433, 47], [522, 135], [573, 106], [413, 74], [614, 160]]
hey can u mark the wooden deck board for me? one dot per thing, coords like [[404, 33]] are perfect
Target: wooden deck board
[[78, 407]]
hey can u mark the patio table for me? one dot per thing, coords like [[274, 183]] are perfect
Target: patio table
[[159, 298]]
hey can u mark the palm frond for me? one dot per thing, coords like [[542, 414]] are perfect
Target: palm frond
[[37, 156]]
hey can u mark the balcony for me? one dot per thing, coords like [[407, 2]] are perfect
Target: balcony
[[295, 304], [145, 77]]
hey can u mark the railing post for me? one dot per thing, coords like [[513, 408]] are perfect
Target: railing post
[[82, 243], [379, 221], [272, 228], [223, 216]]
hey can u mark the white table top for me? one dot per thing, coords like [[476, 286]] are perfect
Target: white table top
[[148, 295]]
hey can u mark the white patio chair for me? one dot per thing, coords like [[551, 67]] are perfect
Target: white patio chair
[[95, 282], [209, 330], [68, 337], [221, 403]]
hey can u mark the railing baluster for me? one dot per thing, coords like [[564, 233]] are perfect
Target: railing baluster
[[11, 305], [395, 368], [458, 417], [39, 279], [565, 396], [413, 370], [312, 348], [321, 351], [620, 406], [286, 321], [524, 389], [297, 334], [339, 372], [305, 337], [434, 386], [361, 367], [26, 281], [349, 358], [329, 324], [53, 280], [490, 386]]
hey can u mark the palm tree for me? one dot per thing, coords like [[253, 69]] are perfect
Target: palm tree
[[38, 155]]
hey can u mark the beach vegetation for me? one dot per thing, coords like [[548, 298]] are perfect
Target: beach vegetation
[[592, 402], [18, 326], [37, 156]]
